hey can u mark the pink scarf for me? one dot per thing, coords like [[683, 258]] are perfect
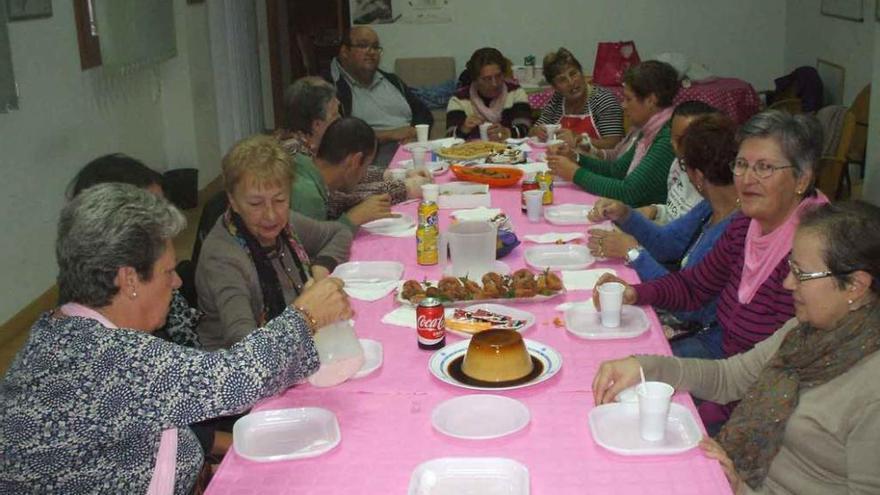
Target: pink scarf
[[764, 252], [492, 113], [162, 481], [649, 132]]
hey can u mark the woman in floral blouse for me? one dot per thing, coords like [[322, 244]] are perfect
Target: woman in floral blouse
[[94, 402]]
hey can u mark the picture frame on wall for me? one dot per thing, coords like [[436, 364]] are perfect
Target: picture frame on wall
[[20, 10], [850, 10]]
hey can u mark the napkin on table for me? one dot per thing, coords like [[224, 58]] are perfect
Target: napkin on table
[[583, 279], [405, 316]]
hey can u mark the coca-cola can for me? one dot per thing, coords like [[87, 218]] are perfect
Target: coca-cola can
[[430, 324]]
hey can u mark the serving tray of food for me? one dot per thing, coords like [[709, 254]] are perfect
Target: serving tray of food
[[523, 286], [471, 150], [493, 176]]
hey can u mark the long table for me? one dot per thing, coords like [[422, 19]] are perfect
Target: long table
[[385, 418]]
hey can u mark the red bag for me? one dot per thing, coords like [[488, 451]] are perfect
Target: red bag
[[612, 60]]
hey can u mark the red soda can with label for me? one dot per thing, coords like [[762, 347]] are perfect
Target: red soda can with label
[[529, 184], [430, 324]]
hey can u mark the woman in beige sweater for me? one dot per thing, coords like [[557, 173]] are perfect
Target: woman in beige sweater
[[809, 416], [260, 256]]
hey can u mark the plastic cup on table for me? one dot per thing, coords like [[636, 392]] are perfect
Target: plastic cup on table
[[484, 130], [534, 204], [422, 133], [551, 131], [654, 399], [611, 300], [418, 156]]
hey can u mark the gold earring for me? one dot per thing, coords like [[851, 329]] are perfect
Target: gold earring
[[134, 294]]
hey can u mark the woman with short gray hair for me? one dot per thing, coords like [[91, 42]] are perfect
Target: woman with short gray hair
[[311, 106], [115, 400], [773, 174]]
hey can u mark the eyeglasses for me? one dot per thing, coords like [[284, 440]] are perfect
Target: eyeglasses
[[807, 276], [367, 47], [761, 169]]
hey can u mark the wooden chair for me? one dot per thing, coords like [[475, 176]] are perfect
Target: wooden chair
[[839, 125], [791, 105]]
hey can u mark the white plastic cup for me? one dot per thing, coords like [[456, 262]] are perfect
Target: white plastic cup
[[398, 173], [418, 156], [484, 130], [551, 131], [534, 205], [654, 399], [611, 300], [422, 133]]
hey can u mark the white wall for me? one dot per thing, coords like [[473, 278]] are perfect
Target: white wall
[[811, 35], [743, 39], [68, 117]]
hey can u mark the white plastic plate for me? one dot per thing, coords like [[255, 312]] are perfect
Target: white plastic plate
[[397, 223], [567, 214], [480, 416], [439, 167], [559, 257], [438, 365], [537, 143], [469, 476], [615, 427], [284, 434], [368, 272], [553, 237], [434, 145], [372, 357], [584, 321]]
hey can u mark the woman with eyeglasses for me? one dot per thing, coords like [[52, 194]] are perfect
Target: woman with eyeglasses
[[706, 150], [488, 97], [774, 174], [809, 420]]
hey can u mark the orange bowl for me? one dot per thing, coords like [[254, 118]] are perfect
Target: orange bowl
[[493, 176]]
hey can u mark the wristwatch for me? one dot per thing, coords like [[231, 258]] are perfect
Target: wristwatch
[[632, 255]]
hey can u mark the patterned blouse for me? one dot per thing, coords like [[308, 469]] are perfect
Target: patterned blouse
[[82, 407]]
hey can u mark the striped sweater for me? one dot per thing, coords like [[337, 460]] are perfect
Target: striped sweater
[[718, 274], [601, 104], [645, 185]]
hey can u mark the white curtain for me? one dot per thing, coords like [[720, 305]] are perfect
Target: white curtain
[[235, 57]]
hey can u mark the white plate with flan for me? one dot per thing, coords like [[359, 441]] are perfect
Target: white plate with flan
[[549, 359]]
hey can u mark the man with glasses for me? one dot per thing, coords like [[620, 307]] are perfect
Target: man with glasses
[[379, 98]]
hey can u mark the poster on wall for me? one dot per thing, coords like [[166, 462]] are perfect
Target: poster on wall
[[371, 12], [400, 12]]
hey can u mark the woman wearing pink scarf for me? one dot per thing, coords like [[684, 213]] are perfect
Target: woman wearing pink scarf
[[488, 98], [774, 176], [638, 176]]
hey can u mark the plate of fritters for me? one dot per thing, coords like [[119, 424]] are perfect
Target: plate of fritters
[[523, 285], [471, 150]]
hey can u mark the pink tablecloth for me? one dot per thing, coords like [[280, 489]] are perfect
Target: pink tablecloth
[[385, 417], [735, 97]]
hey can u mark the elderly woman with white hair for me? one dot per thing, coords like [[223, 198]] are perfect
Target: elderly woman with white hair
[[93, 401]]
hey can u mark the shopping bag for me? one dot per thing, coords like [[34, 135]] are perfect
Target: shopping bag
[[612, 60]]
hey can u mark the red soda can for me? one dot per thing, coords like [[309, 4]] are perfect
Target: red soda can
[[430, 324]]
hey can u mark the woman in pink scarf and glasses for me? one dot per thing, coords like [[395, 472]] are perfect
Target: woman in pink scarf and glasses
[[774, 174], [488, 97]]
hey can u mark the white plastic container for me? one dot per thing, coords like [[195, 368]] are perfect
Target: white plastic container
[[464, 195], [340, 353]]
